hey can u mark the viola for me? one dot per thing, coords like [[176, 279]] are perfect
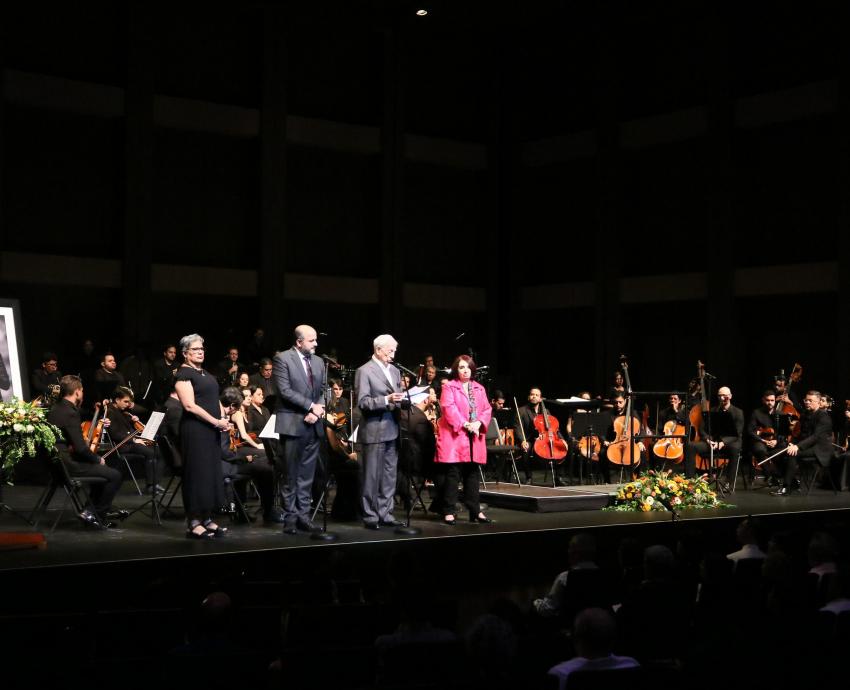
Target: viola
[[93, 430], [672, 449], [620, 451], [549, 445]]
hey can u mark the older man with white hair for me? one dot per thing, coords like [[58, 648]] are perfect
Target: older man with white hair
[[379, 397]]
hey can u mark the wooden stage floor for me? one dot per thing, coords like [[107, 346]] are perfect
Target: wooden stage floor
[[141, 539]]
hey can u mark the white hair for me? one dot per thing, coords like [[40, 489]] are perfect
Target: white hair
[[187, 340], [383, 341]]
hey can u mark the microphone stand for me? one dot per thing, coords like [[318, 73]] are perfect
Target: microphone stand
[[324, 535], [406, 529]]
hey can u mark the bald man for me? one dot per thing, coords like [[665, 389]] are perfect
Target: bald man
[[727, 430], [300, 381]]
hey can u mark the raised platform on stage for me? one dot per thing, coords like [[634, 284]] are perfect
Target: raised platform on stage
[[547, 499]]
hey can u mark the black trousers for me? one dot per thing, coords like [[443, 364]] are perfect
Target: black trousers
[[792, 464], [761, 451], [146, 455], [258, 471], [101, 494], [468, 473], [729, 452]]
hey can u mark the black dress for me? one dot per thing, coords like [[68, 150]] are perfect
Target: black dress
[[203, 482]]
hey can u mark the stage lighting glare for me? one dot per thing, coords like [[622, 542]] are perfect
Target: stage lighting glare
[[421, 13]]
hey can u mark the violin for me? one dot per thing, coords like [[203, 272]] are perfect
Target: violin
[[548, 446], [93, 430], [235, 440]]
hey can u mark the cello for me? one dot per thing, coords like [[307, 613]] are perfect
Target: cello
[[669, 447], [549, 445]]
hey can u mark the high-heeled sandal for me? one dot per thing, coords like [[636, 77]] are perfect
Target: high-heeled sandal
[[481, 517], [451, 522], [217, 531], [192, 534]]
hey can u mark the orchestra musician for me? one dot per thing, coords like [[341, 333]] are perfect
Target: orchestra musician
[[123, 423], [246, 420], [814, 444], [201, 427], [767, 431], [263, 379], [107, 378], [618, 400], [45, 376], [524, 428], [784, 391], [417, 451], [725, 438], [460, 438], [164, 370], [80, 460], [228, 370], [248, 461], [379, 397]]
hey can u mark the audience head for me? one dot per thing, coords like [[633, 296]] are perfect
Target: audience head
[[822, 549], [594, 633], [582, 549], [658, 563]]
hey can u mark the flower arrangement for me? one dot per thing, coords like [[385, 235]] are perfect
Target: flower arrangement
[[664, 491], [23, 430]]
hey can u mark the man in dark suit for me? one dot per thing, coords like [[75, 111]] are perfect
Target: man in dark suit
[[379, 397], [79, 460], [300, 381], [815, 442]]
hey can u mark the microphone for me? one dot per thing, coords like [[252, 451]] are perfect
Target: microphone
[[328, 358], [324, 334], [403, 368]]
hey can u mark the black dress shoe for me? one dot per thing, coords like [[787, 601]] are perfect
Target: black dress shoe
[[783, 491], [391, 523], [480, 518], [290, 529], [308, 526], [88, 517], [118, 514], [371, 525]]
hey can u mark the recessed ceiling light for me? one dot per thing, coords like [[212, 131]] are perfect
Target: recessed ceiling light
[[421, 13]]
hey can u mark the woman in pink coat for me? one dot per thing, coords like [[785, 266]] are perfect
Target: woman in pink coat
[[461, 447]]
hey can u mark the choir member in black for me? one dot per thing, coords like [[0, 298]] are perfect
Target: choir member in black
[[524, 431], [727, 430], [767, 431], [164, 370], [45, 376], [201, 428], [107, 378], [814, 444], [263, 379], [248, 461], [78, 458], [229, 368], [122, 423], [416, 458]]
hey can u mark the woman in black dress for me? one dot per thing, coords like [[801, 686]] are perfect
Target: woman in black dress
[[201, 427]]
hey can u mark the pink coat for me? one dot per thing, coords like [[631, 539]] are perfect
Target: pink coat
[[452, 438]]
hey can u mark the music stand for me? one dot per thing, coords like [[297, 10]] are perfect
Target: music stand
[[150, 433], [587, 426]]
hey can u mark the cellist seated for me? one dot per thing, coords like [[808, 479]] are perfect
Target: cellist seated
[[619, 446], [722, 441]]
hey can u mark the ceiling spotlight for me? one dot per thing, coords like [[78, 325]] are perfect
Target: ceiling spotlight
[[421, 13]]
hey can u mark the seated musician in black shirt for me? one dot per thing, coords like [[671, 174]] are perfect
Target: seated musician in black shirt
[[79, 459], [724, 439], [45, 376], [247, 462], [122, 423], [767, 431], [107, 378]]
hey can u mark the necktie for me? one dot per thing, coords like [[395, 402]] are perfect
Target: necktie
[[309, 369]]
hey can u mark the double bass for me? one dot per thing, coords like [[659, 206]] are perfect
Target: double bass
[[697, 419]]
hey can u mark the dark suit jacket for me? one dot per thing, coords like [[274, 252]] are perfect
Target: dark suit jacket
[[816, 435], [296, 395], [380, 418]]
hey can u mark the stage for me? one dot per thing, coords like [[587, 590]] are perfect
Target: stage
[[140, 539]]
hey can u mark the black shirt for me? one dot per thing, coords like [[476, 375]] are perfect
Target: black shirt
[[66, 416]]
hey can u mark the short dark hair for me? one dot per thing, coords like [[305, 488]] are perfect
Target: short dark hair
[[768, 391], [68, 384], [49, 357], [231, 397], [122, 392], [462, 358], [265, 361]]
